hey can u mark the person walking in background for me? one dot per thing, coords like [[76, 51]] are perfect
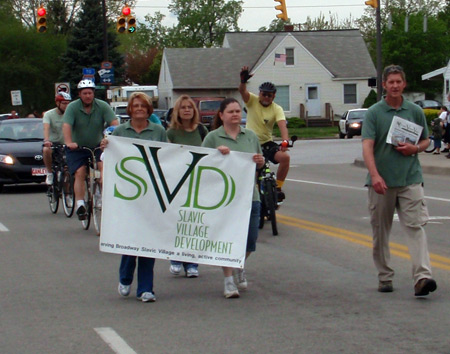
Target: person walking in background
[[228, 136], [138, 127], [185, 128], [395, 182], [445, 117], [437, 127]]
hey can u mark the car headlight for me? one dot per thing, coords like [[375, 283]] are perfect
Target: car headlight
[[6, 159], [355, 125]]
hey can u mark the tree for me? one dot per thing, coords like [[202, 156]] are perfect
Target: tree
[[277, 25], [203, 23], [85, 45]]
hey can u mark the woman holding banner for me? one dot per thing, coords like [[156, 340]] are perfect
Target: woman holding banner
[[138, 127], [185, 128], [229, 136]]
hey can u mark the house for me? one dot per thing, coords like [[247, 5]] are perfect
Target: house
[[317, 73], [444, 75]]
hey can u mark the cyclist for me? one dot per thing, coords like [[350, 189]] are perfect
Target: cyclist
[[84, 122], [262, 114], [53, 121]]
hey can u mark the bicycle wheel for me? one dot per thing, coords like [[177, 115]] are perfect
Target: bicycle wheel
[[430, 147], [88, 202], [262, 214], [97, 206], [67, 194], [272, 201], [53, 198]]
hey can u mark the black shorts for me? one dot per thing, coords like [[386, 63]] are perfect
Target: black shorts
[[79, 157], [269, 150]]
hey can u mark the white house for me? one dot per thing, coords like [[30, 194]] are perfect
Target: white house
[[441, 74], [317, 73]]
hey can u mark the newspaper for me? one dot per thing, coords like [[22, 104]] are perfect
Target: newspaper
[[403, 131]]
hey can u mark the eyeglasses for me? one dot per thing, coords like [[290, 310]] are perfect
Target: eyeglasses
[[267, 94]]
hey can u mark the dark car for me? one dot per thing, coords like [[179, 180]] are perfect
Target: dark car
[[429, 104], [21, 159], [351, 123], [161, 114]]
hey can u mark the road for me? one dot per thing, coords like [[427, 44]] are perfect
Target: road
[[311, 290]]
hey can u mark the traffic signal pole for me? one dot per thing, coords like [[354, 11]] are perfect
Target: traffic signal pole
[[105, 32]]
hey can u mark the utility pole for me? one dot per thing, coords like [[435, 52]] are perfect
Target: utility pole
[[379, 64], [105, 33]]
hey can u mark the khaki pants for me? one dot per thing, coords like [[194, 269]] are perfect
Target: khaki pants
[[413, 215]]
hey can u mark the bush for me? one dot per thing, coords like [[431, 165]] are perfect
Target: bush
[[431, 114], [370, 99], [295, 122]]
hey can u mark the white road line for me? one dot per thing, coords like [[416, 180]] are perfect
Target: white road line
[[354, 188], [115, 342], [3, 228]]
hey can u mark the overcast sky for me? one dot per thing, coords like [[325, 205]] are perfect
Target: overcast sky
[[258, 13]]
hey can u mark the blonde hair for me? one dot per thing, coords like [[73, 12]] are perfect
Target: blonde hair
[[175, 121], [144, 97]]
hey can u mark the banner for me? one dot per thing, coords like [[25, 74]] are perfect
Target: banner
[[176, 202]]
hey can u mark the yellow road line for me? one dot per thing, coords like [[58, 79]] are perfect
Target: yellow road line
[[397, 249]]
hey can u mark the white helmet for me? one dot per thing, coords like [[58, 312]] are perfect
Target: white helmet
[[62, 96], [86, 84]]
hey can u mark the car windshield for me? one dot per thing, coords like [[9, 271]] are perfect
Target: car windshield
[[159, 112], [209, 105], [356, 115], [23, 130], [121, 110]]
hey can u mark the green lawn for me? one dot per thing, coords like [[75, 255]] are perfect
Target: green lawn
[[306, 133]]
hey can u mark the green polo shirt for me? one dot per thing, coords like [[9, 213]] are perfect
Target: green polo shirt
[[181, 136], [153, 132], [55, 122], [396, 169], [246, 141], [87, 129]]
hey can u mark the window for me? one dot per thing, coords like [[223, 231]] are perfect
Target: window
[[282, 98], [290, 56], [350, 93]]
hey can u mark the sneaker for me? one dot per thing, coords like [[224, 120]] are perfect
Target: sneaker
[[385, 286], [230, 290], [81, 212], [424, 286], [175, 269], [147, 297], [281, 195], [124, 290], [436, 153], [49, 179], [448, 156], [240, 279], [192, 272], [445, 150]]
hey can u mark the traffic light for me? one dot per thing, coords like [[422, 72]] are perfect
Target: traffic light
[[131, 24], [373, 3], [121, 24], [282, 8], [41, 20]]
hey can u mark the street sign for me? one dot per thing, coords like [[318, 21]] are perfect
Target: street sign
[[88, 72], [62, 87], [16, 98], [106, 76]]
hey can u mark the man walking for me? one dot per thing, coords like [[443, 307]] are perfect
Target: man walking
[[395, 183]]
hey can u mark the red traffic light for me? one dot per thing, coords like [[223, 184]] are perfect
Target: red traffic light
[[41, 11], [126, 11]]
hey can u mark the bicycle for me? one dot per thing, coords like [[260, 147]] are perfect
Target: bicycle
[[93, 192], [62, 186], [267, 187], [430, 148]]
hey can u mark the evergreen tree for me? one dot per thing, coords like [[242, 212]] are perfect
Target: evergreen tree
[[85, 46]]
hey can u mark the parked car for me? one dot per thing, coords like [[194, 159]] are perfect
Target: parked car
[[121, 112], [161, 114], [351, 123], [429, 104], [21, 159], [207, 108]]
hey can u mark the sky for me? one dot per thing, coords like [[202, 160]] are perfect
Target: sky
[[259, 13]]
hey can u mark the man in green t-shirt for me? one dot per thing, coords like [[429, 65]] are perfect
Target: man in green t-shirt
[[395, 183], [53, 121], [262, 114], [84, 122]]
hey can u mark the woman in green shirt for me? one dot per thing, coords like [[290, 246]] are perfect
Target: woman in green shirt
[[230, 136], [185, 129]]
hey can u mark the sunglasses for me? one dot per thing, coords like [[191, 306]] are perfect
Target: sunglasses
[[393, 69], [267, 94]]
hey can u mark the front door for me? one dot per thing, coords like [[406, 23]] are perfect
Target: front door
[[313, 100]]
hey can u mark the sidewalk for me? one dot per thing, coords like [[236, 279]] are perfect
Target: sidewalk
[[432, 164]]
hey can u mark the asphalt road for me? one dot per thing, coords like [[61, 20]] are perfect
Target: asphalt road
[[311, 290]]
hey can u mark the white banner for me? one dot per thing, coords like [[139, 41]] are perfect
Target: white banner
[[176, 202]]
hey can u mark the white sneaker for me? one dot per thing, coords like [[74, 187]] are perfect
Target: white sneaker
[[175, 269], [240, 278], [124, 290], [147, 297], [49, 179], [230, 289], [192, 272]]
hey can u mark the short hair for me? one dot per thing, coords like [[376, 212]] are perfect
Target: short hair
[[144, 97], [175, 121], [393, 69]]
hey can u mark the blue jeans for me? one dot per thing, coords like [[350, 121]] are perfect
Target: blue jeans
[[186, 265], [144, 275]]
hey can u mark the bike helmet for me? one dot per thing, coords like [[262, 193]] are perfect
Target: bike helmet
[[267, 87], [62, 96], [109, 130], [86, 84]]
